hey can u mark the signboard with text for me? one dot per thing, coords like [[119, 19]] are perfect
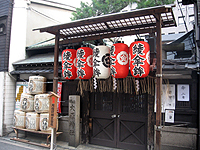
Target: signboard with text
[[53, 110]]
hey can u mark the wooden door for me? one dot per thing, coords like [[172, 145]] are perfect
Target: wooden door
[[119, 120]]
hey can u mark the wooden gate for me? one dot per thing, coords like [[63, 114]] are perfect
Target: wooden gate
[[119, 120]]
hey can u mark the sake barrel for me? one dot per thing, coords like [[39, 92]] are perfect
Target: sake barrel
[[44, 119], [37, 85], [27, 102], [32, 121], [19, 119], [41, 103], [101, 62]]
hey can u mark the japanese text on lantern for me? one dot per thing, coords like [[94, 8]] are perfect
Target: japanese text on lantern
[[112, 61], [96, 62], [138, 60], [80, 63], [67, 65]]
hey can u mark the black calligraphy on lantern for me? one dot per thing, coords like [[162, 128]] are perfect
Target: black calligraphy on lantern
[[96, 62], [112, 61], [80, 64], [67, 65], [138, 60]]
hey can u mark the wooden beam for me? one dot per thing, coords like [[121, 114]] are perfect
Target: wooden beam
[[159, 81], [108, 35], [55, 84], [108, 18]]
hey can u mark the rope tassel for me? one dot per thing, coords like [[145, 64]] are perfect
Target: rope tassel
[[95, 83], [114, 84]]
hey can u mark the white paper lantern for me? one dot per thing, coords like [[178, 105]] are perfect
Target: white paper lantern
[[101, 62]]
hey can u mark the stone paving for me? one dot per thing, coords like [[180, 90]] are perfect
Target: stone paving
[[61, 145]]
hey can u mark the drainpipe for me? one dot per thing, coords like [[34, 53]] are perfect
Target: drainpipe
[[197, 60]]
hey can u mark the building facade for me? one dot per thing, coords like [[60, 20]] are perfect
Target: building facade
[[18, 18]]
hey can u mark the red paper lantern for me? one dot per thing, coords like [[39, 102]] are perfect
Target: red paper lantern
[[68, 64], [84, 62], [139, 59], [119, 60]]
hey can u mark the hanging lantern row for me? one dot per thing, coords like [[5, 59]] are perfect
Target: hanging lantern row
[[102, 61]]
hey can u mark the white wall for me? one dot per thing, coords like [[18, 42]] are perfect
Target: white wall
[[24, 19], [39, 16], [1, 102], [187, 10], [9, 103], [17, 52], [18, 32]]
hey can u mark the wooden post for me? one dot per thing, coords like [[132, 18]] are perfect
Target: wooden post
[[158, 81], [55, 85]]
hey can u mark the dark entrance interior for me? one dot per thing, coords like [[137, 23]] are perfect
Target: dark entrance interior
[[119, 120]]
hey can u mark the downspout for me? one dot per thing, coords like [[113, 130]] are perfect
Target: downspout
[[198, 61]]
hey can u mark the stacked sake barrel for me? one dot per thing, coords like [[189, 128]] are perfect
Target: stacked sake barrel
[[34, 106]]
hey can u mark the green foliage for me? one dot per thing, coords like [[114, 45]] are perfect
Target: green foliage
[[151, 3], [102, 7]]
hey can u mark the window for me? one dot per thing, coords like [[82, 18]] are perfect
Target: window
[[181, 20], [191, 19], [2, 28]]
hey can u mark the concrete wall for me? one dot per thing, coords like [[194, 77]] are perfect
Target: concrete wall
[[178, 138]]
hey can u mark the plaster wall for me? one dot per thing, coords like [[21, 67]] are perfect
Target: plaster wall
[[1, 102], [39, 16], [18, 32]]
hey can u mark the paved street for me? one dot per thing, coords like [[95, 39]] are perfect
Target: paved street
[[6, 144]]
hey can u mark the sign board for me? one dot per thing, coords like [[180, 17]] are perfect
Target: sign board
[[183, 92], [53, 110], [169, 116]]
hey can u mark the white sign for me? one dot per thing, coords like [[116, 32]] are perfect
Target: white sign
[[167, 97], [183, 92], [169, 116]]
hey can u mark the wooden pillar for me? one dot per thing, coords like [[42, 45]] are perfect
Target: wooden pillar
[[55, 85], [158, 81]]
